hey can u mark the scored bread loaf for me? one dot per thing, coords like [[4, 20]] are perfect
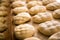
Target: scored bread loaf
[[45, 2], [53, 6], [18, 10], [50, 27], [18, 4], [22, 18], [24, 31], [56, 13], [34, 3], [55, 36], [42, 17], [37, 9]]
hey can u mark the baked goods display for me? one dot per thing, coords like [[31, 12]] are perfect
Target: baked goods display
[[49, 27], [55, 36], [29, 20], [24, 31], [3, 18], [32, 38], [4, 11], [30, 16]]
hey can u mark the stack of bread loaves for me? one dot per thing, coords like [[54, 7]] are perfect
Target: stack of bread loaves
[[21, 16], [43, 13], [3, 17]]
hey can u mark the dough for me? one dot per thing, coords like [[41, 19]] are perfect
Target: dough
[[2, 19], [24, 31], [53, 6], [3, 8], [32, 38], [55, 36], [3, 27], [3, 13], [22, 18], [2, 36], [45, 2], [50, 27], [42, 17], [56, 13], [18, 10], [18, 4], [33, 3], [36, 9]]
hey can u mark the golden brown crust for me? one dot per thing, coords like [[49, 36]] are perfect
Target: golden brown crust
[[37, 9], [34, 3], [22, 18], [18, 4], [55, 36], [24, 31], [18, 10], [45, 2], [53, 6], [32, 38], [50, 27], [56, 13], [42, 17]]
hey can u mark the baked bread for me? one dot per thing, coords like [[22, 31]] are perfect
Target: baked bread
[[2, 36], [3, 8], [25, 0], [36, 9], [3, 27], [3, 13], [45, 2], [22, 18], [18, 10], [32, 38], [50, 27], [42, 17], [2, 19], [5, 4], [55, 36], [5, 0], [24, 31], [33, 3], [31, 0], [18, 0], [53, 6], [56, 13], [18, 4]]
